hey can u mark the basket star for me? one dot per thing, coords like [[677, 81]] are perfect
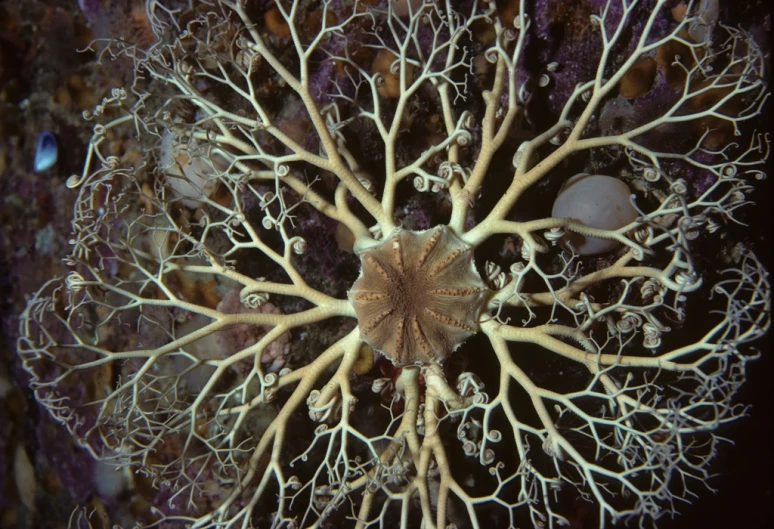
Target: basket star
[[419, 296]]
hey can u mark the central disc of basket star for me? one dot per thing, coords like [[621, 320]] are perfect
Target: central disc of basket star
[[418, 296]]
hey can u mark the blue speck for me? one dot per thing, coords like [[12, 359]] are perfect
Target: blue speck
[[90, 8], [45, 152]]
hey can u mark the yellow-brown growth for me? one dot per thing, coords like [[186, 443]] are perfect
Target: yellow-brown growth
[[639, 79]]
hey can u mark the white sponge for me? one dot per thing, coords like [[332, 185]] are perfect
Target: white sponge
[[598, 201]]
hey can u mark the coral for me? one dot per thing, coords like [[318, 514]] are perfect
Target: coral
[[464, 365]]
